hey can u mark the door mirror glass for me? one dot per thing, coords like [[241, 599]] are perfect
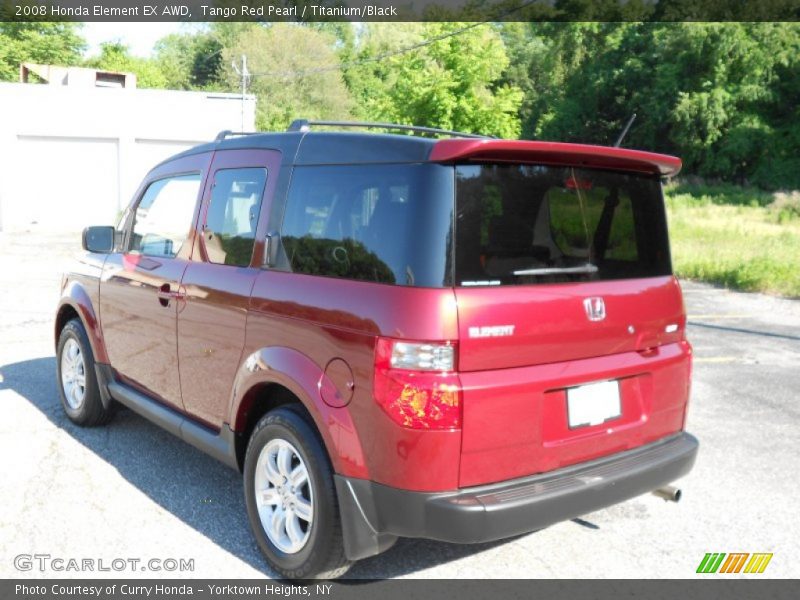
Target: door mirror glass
[[98, 239]]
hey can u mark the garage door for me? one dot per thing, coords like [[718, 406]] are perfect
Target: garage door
[[62, 183], [146, 154]]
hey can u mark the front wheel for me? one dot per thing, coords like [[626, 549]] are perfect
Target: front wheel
[[78, 386], [291, 498]]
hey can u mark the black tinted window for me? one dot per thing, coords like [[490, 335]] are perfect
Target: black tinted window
[[382, 223], [164, 215], [230, 229], [520, 224]]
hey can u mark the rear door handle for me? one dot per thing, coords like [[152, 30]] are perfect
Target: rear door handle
[[165, 294]]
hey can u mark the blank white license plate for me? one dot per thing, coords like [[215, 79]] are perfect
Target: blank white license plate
[[593, 403]]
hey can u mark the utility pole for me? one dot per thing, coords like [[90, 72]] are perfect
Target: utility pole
[[244, 74]]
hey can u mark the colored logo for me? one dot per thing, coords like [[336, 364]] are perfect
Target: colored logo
[[735, 562]]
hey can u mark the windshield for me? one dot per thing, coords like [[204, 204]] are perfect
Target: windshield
[[524, 224]]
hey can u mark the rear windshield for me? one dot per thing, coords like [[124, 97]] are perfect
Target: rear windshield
[[389, 223], [526, 224]]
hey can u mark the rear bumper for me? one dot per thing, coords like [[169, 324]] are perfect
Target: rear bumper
[[374, 515]]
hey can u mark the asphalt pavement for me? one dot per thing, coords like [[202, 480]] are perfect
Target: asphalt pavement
[[132, 491]]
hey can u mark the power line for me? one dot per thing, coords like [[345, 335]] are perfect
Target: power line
[[381, 57]]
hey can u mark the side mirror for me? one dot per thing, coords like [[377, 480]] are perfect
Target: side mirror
[[98, 239]]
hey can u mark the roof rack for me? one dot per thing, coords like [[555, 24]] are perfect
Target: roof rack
[[305, 125], [228, 133]]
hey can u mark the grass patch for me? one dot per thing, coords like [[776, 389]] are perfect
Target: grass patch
[[741, 238]]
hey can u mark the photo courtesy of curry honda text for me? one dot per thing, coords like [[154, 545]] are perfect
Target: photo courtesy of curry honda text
[[455, 337]]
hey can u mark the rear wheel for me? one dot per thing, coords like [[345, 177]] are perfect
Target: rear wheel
[[78, 386], [291, 498]]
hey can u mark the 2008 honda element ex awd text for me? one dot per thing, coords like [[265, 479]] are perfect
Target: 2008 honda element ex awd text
[[456, 338]]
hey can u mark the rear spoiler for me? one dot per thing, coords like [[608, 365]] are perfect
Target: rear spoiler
[[555, 153]]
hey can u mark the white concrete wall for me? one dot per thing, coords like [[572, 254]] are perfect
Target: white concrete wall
[[71, 157]]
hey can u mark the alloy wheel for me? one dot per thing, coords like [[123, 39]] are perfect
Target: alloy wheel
[[73, 374], [284, 496]]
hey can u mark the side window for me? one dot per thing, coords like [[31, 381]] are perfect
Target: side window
[[384, 223], [164, 216], [230, 228], [349, 222]]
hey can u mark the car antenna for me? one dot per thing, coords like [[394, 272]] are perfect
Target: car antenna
[[625, 130]]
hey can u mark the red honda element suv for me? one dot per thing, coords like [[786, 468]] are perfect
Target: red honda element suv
[[461, 339]]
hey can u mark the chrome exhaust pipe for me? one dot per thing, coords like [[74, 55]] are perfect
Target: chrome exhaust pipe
[[668, 492]]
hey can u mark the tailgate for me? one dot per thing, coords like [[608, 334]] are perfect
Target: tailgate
[[518, 326], [571, 325], [516, 420], [516, 415]]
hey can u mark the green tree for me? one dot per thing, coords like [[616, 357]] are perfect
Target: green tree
[[453, 80], [294, 74], [190, 60], [723, 96], [38, 42], [115, 56], [781, 165], [544, 59]]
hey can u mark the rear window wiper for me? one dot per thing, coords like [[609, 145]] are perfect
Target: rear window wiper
[[580, 269]]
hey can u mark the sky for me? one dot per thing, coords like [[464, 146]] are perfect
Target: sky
[[140, 37]]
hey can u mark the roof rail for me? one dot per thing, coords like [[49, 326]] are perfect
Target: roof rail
[[228, 133], [305, 125]]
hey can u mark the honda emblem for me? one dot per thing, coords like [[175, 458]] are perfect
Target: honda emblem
[[595, 308]]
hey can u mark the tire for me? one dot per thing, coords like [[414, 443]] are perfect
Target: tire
[[304, 544], [77, 379]]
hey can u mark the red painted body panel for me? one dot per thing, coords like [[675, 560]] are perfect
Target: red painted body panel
[[515, 420], [333, 318], [555, 153], [550, 322], [374, 308], [139, 329], [80, 290], [211, 332], [212, 319], [300, 375], [515, 415]]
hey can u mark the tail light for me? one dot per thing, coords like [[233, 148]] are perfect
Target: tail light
[[416, 384]]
